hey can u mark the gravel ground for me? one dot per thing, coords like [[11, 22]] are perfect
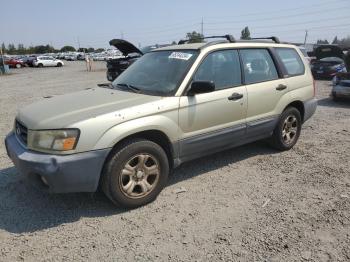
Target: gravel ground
[[247, 204]]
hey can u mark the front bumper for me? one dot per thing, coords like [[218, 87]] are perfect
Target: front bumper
[[309, 108], [63, 173]]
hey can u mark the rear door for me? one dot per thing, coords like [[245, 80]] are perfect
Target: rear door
[[214, 121], [265, 88]]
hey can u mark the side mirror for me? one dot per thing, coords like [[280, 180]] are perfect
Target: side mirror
[[201, 87]]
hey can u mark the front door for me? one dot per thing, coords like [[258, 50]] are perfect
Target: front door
[[213, 121]]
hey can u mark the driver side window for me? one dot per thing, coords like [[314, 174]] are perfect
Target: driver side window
[[221, 67]]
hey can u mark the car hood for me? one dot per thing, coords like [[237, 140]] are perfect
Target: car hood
[[65, 110], [328, 51], [124, 46]]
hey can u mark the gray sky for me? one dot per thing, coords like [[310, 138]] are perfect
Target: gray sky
[[94, 23]]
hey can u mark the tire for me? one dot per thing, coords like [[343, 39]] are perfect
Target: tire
[[18, 65], [287, 131], [40, 65], [125, 179], [59, 64]]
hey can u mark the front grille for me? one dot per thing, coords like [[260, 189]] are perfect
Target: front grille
[[21, 132]]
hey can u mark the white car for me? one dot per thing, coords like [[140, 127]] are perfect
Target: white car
[[47, 61]]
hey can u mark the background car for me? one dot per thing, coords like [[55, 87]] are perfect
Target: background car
[[47, 61], [14, 62], [330, 60], [130, 54]]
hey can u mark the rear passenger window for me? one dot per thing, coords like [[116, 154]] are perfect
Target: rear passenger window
[[221, 67], [258, 66], [291, 60]]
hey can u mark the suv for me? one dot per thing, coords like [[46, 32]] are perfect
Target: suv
[[172, 105], [41, 61]]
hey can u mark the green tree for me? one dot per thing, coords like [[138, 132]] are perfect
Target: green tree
[[3, 48], [99, 50], [42, 49], [11, 49], [194, 37], [322, 42], [245, 33], [68, 48], [21, 50], [91, 50], [82, 49], [173, 43], [335, 41]]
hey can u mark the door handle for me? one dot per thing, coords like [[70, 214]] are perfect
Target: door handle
[[281, 87], [235, 96]]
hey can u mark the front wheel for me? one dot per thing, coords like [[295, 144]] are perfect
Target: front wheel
[[18, 65], [288, 129], [59, 64], [135, 173]]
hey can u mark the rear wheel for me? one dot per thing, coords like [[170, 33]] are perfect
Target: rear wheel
[[40, 65], [18, 65], [288, 129], [135, 173], [59, 64]]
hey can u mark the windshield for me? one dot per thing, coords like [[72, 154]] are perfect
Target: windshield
[[157, 73]]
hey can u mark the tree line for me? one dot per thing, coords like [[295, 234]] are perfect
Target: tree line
[[20, 49]]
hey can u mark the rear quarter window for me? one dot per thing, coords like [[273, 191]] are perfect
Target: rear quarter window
[[291, 61]]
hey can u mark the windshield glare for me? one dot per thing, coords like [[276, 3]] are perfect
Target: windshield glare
[[157, 73]]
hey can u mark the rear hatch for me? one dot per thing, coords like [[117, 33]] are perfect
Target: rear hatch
[[125, 47]]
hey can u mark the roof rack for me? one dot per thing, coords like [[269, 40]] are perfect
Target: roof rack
[[229, 38], [273, 38]]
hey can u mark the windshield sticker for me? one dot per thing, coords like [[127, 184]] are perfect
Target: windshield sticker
[[179, 55]]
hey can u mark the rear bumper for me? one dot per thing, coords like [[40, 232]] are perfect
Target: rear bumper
[[341, 91], [63, 173], [309, 108]]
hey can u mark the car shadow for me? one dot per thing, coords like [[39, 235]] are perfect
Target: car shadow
[[329, 102], [24, 208]]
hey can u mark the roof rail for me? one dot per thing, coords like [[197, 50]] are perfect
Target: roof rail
[[229, 38], [273, 38]]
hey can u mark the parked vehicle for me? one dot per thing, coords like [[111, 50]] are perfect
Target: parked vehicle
[[330, 60], [172, 105], [70, 57], [130, 54], [42, 61], [341, 86], [14, 62]]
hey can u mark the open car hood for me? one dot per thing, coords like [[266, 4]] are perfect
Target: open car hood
[[328, 51], [125, 47]]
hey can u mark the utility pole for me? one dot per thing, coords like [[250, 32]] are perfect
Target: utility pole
[[78, 42], [202, 27], [121, 35], [305, 37]]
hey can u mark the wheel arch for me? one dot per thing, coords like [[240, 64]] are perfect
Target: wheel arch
[[298, 105], [154, 135]]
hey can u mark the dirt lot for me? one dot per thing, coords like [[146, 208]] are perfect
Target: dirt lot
[[247, 204]]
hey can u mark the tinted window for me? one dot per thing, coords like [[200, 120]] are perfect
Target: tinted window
[[291, 60], [221, 67], [258, 66]]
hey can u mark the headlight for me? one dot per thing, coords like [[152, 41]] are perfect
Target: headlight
[[55, 140]]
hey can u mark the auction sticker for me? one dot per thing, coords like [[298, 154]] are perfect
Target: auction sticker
[[180, 55]]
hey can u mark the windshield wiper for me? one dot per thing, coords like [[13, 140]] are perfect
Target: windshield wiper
[[130, 87]]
